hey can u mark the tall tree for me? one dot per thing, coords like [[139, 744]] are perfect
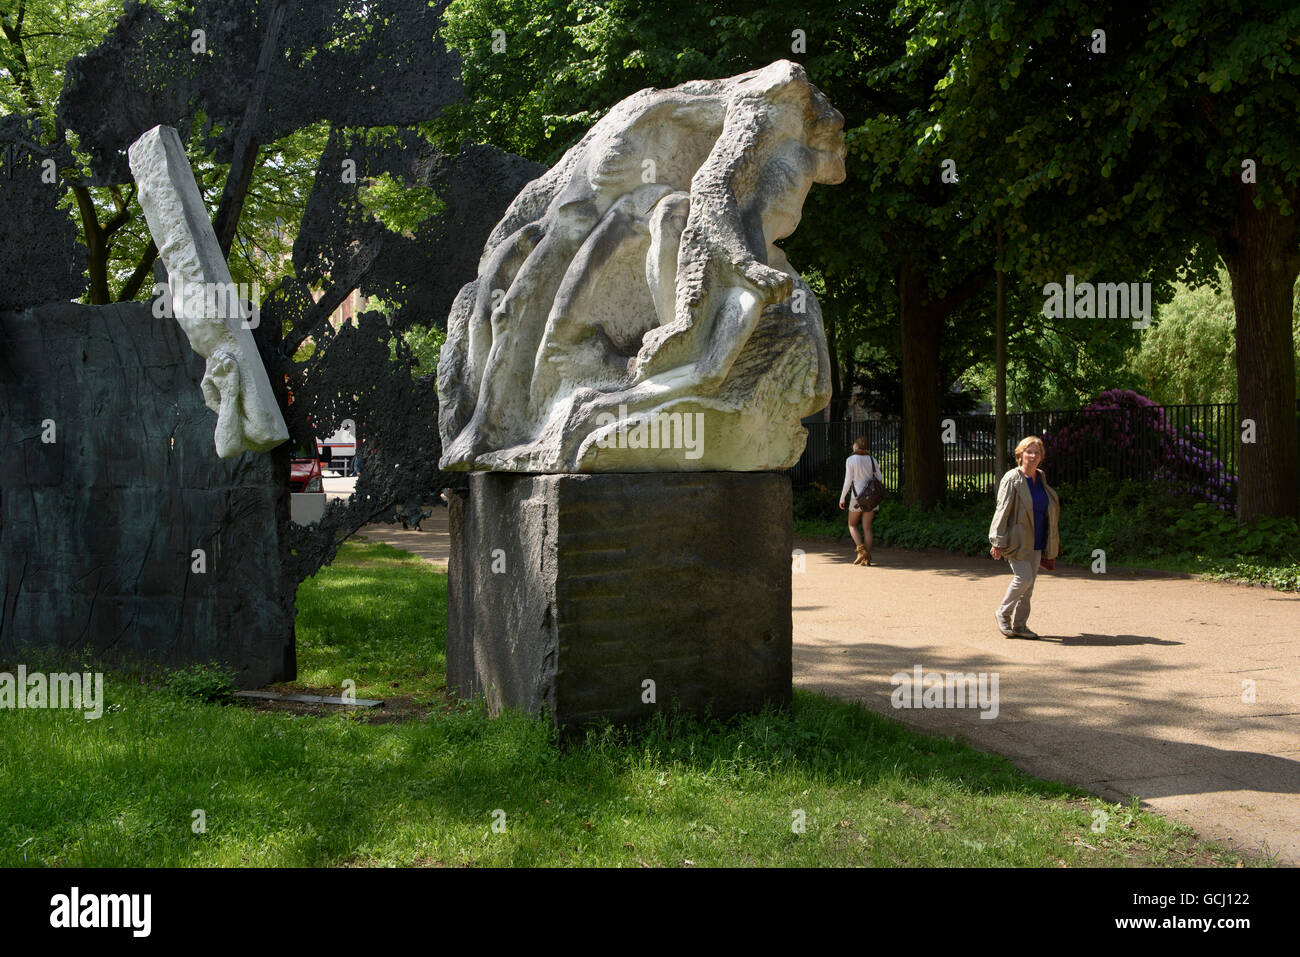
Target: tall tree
[[298, 119], [37, 39], [1126, 135], [538, 74]]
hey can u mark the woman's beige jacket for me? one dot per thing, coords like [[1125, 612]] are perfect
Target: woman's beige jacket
[[1013, 521]]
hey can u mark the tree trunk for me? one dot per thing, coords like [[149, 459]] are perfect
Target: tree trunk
[[244, 155], [921, 330], [837, 387], [1000, 380], [1263, 259], [96, 248], [143, 270], [848, 376]]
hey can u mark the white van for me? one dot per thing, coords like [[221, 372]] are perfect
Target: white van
[[342, 457]]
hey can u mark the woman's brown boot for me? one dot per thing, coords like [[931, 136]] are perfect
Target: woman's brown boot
[[864, 556]]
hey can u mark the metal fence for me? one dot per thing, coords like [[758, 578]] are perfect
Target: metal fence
[[1123, 441], [830, 443]]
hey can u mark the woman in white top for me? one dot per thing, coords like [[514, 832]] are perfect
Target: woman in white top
[[859, 468]]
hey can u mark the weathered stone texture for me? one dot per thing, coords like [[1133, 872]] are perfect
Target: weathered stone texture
[[40, 257], [641, 279], [604, 581], [97, 529], [234, 385]]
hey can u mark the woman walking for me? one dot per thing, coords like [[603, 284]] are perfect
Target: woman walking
[[859, 469], [1024, 532]]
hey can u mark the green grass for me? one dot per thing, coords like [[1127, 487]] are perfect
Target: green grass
[[375, 616], [282, 789]]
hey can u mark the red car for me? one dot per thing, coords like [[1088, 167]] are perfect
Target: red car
[[305, 476]]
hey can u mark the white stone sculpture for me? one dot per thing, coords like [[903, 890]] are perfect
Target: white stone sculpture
[[203, 298], [632, 311]]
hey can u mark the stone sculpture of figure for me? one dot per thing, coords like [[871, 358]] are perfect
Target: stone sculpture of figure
[[202, 298], [638, 284]]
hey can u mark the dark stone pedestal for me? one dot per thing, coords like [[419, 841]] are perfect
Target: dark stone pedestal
[[571, 592]]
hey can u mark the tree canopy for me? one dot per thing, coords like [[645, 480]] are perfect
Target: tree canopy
[[1111, 143]]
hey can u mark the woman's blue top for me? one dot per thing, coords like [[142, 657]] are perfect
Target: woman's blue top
[[1040, 512]]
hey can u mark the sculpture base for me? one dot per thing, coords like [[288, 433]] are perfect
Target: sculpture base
[[615, 595]]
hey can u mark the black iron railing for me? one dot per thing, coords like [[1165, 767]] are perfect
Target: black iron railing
[[1187, 444]]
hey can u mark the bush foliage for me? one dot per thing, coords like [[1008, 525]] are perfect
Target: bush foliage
[[210, 682], [1132, 433], [1136, 523]]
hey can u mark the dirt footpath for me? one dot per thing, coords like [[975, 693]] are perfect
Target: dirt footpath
[[1136, 686], [1139, 686]]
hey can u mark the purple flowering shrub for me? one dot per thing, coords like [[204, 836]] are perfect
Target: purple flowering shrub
[[1132, 437]]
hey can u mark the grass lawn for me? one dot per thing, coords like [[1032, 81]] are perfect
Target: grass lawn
[[278, 788]]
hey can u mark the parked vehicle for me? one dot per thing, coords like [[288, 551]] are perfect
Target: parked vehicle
[[305, 475], [339, 452], [306, 488]]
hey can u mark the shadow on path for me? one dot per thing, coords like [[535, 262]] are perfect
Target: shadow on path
[[1182, 692]]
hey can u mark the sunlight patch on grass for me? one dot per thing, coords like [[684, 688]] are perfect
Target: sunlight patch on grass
[[279, 789]]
